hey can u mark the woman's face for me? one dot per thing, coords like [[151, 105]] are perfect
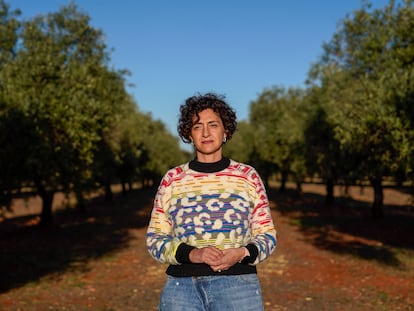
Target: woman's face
[[207, 135]]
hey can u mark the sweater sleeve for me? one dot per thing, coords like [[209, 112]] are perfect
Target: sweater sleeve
[[161, 243], [263, 231]]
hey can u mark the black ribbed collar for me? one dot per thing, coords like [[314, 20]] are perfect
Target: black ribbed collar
[[209, 167]]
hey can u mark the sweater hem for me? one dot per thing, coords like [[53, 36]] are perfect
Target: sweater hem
[[192, 269]]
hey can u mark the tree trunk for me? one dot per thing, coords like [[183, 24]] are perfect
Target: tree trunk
[[46, 216], [124, 189], [377, 210], [329, 191], [108, 192], [299, 187], [81, 206], [6, 200], [283, 181]]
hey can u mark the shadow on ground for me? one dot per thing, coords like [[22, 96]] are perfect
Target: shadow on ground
[[29, 252], [347, 227]]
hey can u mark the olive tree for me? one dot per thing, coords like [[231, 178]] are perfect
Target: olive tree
[[13, 125], [55, 80], [363, 70], [277, 119]]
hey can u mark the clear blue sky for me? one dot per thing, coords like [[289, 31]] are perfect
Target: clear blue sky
[[237, 48]]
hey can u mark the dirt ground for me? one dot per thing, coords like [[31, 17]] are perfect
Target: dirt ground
[[338, 259]]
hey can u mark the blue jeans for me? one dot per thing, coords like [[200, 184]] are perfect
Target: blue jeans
[[212, 293]]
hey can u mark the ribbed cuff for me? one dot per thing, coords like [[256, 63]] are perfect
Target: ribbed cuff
[[254, 252], [182, 254]]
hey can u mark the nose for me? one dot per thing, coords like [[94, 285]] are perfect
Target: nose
[[206, 131]]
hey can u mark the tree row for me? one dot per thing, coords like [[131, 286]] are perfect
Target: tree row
[[353, 122], [67, 121]]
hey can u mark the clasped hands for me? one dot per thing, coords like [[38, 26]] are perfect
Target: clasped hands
[[217, 259]]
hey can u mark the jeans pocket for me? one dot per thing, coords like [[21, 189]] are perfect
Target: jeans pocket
[[248, 278]]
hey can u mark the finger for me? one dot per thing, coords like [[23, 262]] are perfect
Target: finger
[[215, 250], [214, 253]]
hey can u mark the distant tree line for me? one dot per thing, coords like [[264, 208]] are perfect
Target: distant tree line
[[354, 119], [67, 122]]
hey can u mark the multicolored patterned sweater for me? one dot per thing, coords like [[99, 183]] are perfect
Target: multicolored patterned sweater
[[223, 204]]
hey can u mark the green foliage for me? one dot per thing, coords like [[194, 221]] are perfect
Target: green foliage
[[242, 145], [9, 29], [162, 149], [372, 50], [278, 119], [68, 123], [355, 120], [364, 84], [66, 119], [48, 81]]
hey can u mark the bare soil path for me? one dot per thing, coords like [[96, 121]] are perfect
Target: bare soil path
[[99, 261]]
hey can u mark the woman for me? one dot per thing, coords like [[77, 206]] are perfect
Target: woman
[[211, 220]]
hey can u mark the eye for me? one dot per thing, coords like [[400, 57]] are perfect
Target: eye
[[197, 126]]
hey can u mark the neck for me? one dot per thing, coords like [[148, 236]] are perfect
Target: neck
[[209, 158]]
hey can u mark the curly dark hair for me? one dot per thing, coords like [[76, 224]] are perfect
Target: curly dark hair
[[195, 104]]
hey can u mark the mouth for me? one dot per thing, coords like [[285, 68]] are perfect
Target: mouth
[[206, 142]]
